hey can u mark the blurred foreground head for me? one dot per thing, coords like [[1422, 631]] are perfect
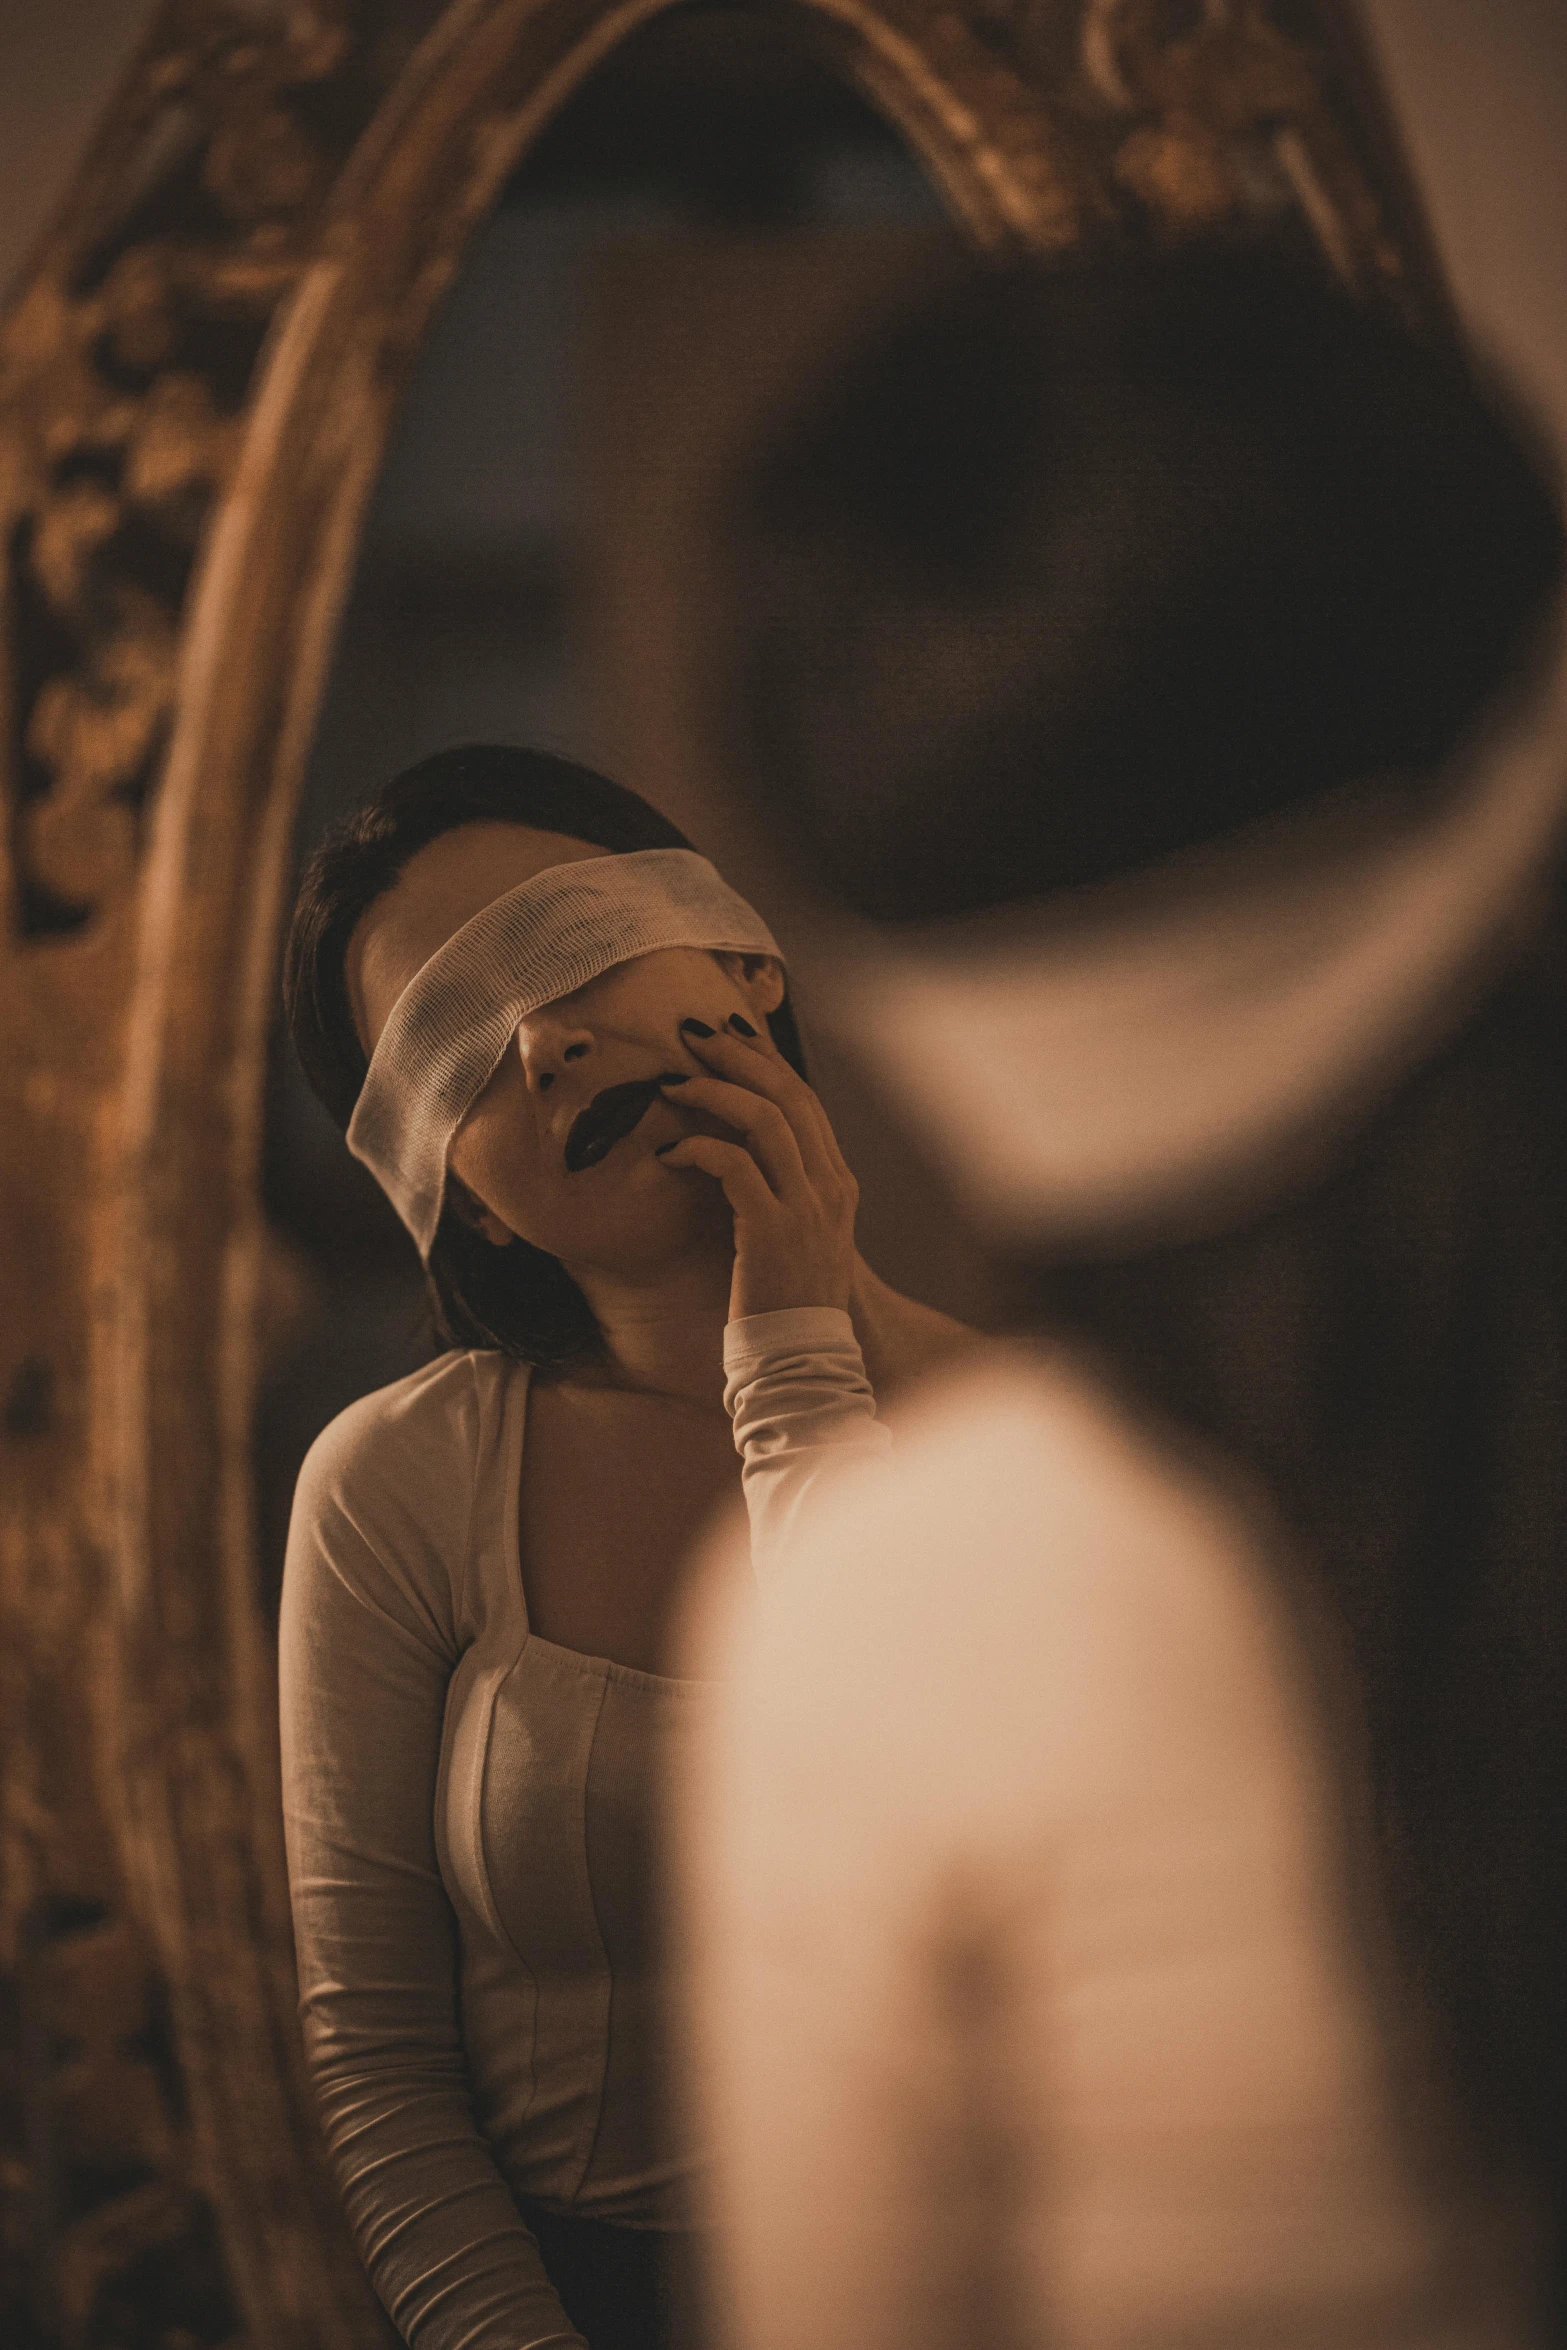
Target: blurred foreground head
[[1077, 569], [1162, 615]]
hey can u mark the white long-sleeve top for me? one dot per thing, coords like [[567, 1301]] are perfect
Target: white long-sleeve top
[[803, 1412], [1026, 1995], [470, 1813]]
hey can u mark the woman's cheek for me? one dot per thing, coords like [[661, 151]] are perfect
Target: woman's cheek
[[493, 1160]]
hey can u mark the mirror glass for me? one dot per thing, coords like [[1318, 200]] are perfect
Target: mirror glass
[[703, 217]]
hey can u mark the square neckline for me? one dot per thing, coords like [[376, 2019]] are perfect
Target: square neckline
[[519, 1388]]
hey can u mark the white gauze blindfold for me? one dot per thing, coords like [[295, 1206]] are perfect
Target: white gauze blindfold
[[451, 1025]]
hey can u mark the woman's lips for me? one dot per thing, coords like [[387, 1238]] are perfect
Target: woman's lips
[[610, 1116]]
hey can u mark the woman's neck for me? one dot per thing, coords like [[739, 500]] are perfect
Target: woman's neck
[[664, 1336]]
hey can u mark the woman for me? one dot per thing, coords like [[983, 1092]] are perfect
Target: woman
[[1126, 1856], [566, 1050]]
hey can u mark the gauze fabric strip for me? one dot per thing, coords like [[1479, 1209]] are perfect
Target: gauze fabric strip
[[453, 1021]]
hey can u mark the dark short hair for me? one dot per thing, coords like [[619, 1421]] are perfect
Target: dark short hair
[[519, 1299], [1074, 568]]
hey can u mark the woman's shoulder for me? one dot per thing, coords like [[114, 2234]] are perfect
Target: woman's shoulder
[[1023, 1465], [904, 1341], [413, 1444], [1033, 1556], [385, 1504], [1069, 1441]]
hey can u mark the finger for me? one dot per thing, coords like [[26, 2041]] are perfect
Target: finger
[[795, 1089], [767, 1073], [772, 1140], [745, 1187]]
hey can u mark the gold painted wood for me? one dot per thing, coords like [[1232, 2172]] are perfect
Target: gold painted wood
[[196, 382]]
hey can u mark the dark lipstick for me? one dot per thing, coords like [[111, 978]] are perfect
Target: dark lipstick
[[611, 1115]]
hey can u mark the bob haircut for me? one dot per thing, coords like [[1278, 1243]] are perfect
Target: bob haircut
[[518, 1299]]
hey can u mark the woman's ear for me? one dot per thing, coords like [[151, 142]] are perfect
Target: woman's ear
[[472, 1211], [760, 977]]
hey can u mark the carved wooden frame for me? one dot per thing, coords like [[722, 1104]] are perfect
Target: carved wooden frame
[[198, 377]]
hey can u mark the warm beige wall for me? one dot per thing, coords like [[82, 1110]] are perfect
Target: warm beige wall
[[59, 62]]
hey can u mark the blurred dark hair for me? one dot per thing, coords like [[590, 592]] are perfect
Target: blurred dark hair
[[519, 1298], [1075, 568]]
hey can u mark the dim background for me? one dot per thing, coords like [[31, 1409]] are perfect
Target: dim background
[[698, 214], [548, 441]]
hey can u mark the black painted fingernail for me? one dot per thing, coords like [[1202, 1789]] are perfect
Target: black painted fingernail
[[740, 1027], [684, 1078], [696, 1028], [666, 1146]]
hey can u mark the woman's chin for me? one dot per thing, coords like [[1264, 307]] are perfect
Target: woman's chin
[[643, 1216], [687, 1205]]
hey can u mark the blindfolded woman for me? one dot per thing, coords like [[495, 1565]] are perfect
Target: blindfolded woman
[[565, 1048]]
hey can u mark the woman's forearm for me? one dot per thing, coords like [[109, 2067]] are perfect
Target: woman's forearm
[[434, 2222], [803, 1409], [365, 1671]]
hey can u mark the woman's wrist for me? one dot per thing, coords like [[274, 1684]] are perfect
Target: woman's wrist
[[791, 1365], [787, 1330], [802, 1411]]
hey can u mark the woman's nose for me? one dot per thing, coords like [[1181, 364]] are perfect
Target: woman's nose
[[548, 1048]]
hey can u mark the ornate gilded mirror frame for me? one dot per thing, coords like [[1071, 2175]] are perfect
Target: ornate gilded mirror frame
[[198, 379]]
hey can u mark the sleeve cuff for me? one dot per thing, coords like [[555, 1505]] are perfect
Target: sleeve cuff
[[792, 1330]]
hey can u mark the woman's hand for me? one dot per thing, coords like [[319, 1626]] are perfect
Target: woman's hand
[[792, 1195]]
